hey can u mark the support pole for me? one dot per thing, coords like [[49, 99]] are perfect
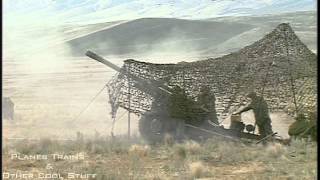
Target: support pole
[[291, 78], [129, 100]]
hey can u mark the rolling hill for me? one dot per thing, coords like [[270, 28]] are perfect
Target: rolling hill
[[158, 34], [211, 37]]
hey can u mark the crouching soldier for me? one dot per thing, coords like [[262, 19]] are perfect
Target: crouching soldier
[[261, 113], [304, 127]]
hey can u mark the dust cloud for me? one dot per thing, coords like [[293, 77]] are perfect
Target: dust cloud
[[172, 49], [50, 87]]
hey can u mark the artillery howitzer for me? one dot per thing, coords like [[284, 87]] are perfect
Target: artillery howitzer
[[159, 121]]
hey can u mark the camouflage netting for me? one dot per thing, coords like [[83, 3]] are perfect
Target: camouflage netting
[[279, 67]]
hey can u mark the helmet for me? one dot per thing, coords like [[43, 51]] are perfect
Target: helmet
[[252, 95]]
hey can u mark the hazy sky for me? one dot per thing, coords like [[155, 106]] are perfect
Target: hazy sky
[[54, 12]]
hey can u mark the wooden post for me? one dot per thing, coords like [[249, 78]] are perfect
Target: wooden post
[[129, 100]]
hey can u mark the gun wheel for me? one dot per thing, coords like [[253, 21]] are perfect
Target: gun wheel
[[153, 128]]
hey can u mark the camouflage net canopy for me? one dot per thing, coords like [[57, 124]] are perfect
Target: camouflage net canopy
[[278, 67], [230, 81]]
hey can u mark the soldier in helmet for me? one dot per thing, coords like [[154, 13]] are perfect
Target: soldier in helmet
[[179, 104], [261, 113], [299, 126], [180, 109], [304, 127], [206, 100]]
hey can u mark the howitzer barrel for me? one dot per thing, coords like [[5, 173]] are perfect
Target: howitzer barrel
[[102, 60], [139, 83]]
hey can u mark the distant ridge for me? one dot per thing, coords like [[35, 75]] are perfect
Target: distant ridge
[[157, 34]]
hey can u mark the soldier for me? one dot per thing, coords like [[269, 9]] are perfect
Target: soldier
[[299, 126], [179, 109], [313, 125], [8, 108], [303, 128], [206, 100], [261, 113], [179, 104]]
